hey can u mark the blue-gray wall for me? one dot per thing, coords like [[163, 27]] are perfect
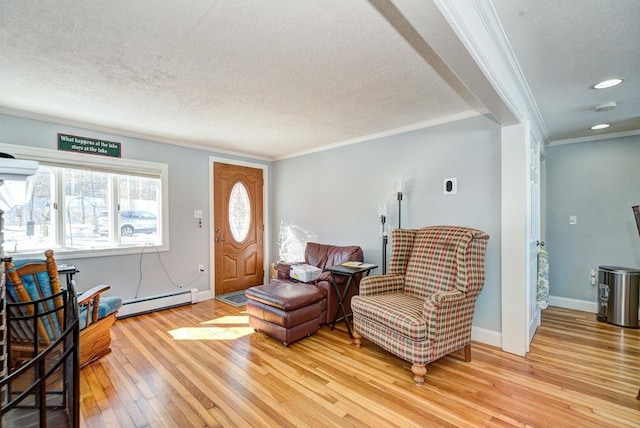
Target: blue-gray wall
[[598, 182], [188, 191], [335, 194]]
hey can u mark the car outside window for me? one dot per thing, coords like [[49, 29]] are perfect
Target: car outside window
[[87, 209]]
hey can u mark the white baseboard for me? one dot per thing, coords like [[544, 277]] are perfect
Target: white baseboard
[[159, 302], [488, 337], [206, 295], [578, 305], [494, 338]]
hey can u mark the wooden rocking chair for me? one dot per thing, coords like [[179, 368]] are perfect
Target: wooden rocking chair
[[37, 280]]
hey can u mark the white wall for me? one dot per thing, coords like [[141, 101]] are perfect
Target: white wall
[[598, 182], [335, 194], [188, 191]]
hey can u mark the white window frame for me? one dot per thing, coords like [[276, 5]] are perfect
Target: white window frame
[[66, 159]]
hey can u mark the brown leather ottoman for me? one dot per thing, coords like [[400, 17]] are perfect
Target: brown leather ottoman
[[284, 311]]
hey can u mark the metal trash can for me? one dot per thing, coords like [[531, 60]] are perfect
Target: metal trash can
[[618, 295]]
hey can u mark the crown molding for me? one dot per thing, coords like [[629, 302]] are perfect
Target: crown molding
[[476, 24], [124, 133], [598, 137], [396, 131], [497, 33]]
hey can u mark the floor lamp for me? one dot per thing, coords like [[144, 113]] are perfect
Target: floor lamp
[[399, 190], [382, 213]]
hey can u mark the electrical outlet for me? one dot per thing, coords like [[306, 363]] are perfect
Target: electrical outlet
[[200, 268]]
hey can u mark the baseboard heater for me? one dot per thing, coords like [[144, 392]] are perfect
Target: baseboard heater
[[157, 303]]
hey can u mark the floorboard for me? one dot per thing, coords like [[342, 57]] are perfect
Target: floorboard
[[203, 366]]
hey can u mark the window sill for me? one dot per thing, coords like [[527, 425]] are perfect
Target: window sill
[[65, 254]]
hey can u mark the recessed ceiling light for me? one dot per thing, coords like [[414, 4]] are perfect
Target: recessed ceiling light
[[607, 84], [600, 126]]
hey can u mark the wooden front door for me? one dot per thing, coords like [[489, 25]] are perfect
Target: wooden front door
[[238, 227]]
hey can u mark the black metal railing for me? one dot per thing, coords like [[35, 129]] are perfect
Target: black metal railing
[[42, 387]]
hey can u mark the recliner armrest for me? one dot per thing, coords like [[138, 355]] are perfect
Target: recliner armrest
[[381, 284]]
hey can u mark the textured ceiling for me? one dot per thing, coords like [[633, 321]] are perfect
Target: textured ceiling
[[564, 48], [277, 78], [263, 78]]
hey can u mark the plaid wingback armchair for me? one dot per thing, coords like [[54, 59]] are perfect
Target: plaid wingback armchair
[[423, 309]]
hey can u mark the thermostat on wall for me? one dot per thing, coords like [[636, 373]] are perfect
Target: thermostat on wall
[[450, 186]]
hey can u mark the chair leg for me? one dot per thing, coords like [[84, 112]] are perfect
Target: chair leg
[[418, 373], [467, 353], [357, 339]]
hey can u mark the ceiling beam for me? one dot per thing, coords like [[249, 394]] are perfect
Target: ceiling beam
[[468, 37]]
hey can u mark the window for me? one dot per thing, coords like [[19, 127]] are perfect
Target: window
[[86, 205], [239, 212]]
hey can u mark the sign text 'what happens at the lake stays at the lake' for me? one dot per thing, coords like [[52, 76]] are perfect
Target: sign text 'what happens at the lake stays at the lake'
[[73, 143]]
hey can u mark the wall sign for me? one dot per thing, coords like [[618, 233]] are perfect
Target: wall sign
[[73, 143]]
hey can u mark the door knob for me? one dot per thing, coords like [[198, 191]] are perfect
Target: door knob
[[219, 240]]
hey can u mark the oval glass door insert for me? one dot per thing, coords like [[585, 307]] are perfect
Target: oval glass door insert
[[239, 212]]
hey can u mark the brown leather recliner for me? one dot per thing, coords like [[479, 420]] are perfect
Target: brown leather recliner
[[323, 255]]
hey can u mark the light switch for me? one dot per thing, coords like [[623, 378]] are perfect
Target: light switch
[[573, 220], [197, 214]]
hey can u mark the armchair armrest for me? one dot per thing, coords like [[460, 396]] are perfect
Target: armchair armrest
[[381, 284], [85, 296], [444, 297], [447, 313], [91, 299]]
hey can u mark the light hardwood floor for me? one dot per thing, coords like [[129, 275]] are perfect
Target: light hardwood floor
[[202, 366]]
